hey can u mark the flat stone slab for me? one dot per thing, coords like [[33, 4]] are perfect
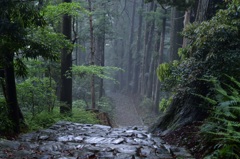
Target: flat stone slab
[[67, 140]]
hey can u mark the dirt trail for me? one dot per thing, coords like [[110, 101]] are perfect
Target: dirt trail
[[125, 113]]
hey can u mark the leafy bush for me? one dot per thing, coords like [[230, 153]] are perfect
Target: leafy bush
[[36, 95], [223, 126], [46, 119], [164, 103], [83, 116], [213, 51], [79, 104], [105, 105]]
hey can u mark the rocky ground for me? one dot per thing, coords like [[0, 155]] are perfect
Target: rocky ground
[[66, 140], [129, 139]]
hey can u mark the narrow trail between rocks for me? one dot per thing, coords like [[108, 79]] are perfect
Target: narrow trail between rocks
[[125, 113]]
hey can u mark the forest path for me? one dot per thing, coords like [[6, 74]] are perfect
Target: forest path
[[67, 140], [125, 113]]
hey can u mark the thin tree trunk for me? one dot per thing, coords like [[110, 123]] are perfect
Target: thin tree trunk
[[150, 77], [122, 49], [185, 23], [138, 55], [147, 48], [102, 59], [161, 51], [66, 64], [157, 46], [130, 56], [92, 62]]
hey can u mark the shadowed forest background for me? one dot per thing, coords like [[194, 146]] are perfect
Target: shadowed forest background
[[177, 60]]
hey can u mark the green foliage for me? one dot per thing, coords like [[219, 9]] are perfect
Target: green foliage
[[16, 18], [54, 13], [214, 43], [79, 104], [223, 126], [170, 75], [213, 51], [46, 119], [105, 105], [164, 70], [164, 103], [103, 72], [36, 95], [24, 34]]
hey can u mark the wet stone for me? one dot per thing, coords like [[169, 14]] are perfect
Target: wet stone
[[144, 152], [67, 140], [43, 137], [127, 149], [9, 144], [105, 155]]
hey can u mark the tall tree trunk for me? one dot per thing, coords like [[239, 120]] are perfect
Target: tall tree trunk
[[130, 56], [92, 62], [150, 78], [202, 10], [160, 61], [101, 50], [147, 47], [15, 113], [155, 64], [137, 63], [122, 49], [176, 39], [185, 23], [66, 64]]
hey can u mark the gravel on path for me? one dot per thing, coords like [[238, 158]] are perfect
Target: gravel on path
[[125, 113]]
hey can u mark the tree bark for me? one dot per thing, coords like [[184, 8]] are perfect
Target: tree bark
[[185, 23], [131, 38], [176, 40], [137, 63], [66, 64], [92, 52], [101, 46], [15, 113], [202, 10], [160, 61], [147, 50], [150, 79]]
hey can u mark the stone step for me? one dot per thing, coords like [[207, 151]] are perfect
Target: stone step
[[66, 140]]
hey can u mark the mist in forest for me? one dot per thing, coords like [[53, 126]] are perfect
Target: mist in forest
[[133, 36]]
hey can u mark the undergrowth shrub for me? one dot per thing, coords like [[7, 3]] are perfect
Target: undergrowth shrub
[[45, 119], [164, 103], [5, 123], [105, 105], [222, 128], [79, 104], [36, 95]]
